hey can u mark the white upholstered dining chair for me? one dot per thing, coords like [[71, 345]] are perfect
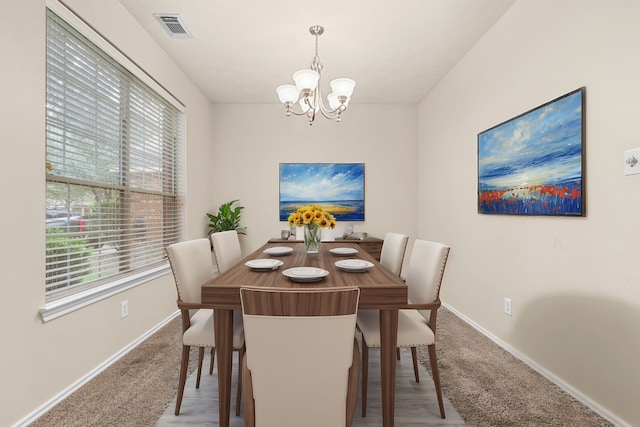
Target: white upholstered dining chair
[[226, 249], [416, 320], [301, 362], [394, 247], [192, 266]]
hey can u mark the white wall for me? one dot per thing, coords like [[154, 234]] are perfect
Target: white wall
[[252, 140], [41, 360], [573, 281]]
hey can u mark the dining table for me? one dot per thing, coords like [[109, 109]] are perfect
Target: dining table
[[379, 288]]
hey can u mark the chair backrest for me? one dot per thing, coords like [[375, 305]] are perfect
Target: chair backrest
[[393, 250], [192, 265], [299, 351], [424, 276], [226, 248]]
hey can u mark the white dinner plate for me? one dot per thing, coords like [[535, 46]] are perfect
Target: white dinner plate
[[305, 274], [264, 264], [343, 251], [278, 250], [354, 265]]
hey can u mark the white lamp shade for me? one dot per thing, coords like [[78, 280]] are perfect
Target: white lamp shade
[[306, 79], [342, 87], [333, 101], [288, 93]]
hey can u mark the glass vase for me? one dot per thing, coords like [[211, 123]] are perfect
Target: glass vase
[[312, 238]]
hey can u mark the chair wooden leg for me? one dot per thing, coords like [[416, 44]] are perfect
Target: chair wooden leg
[[184, 366], [436, 377], [365, 375], [213, 357], [247, 391], [239, 394], [414, 356], [398, 353], [200, 358], [352, 389]]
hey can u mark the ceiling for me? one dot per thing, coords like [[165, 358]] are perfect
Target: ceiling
[[395, 51]]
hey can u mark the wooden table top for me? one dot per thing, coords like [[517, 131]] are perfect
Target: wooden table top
[[379, 288]]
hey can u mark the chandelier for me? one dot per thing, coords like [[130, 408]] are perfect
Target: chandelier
[[306, 91]]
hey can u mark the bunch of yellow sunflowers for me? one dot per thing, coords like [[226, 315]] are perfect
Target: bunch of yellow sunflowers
[[312, 215]]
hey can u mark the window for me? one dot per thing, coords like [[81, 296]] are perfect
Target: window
[[113, 167]]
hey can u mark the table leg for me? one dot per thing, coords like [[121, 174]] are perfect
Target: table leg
[[223, 325], [388, 342]]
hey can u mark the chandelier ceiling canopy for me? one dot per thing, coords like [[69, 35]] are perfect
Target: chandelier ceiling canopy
[[307, 94]]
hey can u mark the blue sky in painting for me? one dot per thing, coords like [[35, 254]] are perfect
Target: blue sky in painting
[[543, 146], [318, 182]]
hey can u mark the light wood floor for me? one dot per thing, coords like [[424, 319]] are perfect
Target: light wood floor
[[416, 404]]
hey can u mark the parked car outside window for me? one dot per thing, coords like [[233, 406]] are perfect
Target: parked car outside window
[[63, 219]]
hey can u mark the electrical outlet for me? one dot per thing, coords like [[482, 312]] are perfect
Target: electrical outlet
[[507, 306], [124, 309]]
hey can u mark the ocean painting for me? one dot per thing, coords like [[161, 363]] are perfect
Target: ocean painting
[[533, 163], [337, 187]]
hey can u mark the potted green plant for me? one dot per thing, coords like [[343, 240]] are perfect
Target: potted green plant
[[228, 218]]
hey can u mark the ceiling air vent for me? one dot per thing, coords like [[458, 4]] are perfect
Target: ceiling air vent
[[174, 25]]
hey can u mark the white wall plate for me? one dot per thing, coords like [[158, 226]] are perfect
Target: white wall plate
[[632, 162]]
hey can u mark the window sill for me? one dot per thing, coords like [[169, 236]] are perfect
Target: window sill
[[62, 306]]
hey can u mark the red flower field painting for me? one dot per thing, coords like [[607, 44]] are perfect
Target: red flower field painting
[[532, 164]]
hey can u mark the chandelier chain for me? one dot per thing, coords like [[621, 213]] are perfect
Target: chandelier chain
[[316, 65]]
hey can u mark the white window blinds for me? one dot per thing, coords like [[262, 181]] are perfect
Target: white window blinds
[[114, 167]]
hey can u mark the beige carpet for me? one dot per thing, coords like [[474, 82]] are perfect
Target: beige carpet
[[490, 387], [134, 391], [487, 385]]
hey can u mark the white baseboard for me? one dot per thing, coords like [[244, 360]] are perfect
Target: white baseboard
[[593, 405], [88, 377]]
